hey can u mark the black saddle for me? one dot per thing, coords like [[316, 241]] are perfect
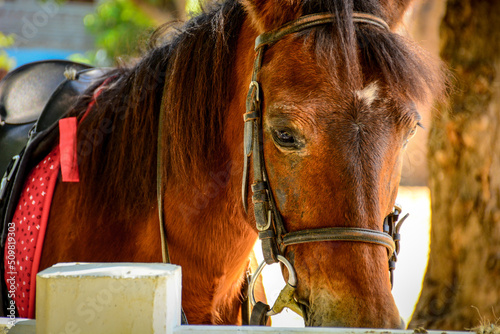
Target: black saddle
[[32, 100], [24, 95]]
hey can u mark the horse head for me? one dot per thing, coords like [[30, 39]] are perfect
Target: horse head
[[331, 107]]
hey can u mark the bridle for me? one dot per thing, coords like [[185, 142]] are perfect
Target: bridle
[[269, 223]]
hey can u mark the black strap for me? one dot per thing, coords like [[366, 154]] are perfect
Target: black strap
[[259, 314], [302, 23], [246, 305]]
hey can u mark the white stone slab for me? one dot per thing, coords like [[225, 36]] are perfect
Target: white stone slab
[[289, 330], [108, 298]]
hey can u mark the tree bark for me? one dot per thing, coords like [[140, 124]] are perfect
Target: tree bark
[[422, 24], [461, 287]]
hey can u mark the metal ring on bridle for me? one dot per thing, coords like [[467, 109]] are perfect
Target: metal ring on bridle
[[292, 277]]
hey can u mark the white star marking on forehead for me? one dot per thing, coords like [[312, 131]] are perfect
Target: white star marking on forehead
[[368, 94]]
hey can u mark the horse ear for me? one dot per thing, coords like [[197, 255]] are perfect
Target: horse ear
[[395, 10], [271, 14]]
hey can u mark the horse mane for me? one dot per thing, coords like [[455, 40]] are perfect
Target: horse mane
[[188, 77]]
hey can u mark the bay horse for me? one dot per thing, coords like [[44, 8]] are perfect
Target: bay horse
[[336, 106]]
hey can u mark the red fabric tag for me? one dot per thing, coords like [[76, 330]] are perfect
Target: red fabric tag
[[67, 147]]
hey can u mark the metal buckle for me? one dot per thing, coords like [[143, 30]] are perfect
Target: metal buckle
[[269, 220], [257, 87], [8, 176], [397, 209]]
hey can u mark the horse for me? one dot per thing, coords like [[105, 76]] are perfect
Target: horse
[[332, 104]]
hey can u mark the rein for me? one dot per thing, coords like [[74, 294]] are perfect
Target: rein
[[269, 222], [165, 255]]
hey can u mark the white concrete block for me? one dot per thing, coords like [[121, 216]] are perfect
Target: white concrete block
[[108, 298], [17, 326]]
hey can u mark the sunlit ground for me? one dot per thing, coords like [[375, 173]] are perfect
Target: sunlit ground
[[410, 268]]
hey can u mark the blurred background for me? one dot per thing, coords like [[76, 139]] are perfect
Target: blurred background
[[96, 32]]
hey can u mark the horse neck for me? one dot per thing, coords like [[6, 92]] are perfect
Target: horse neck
[[209, 233], [209, 238]]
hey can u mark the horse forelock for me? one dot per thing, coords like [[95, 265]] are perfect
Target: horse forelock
[[357, 54]]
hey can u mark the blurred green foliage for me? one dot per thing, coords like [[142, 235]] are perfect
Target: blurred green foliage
[[193, 7], [6, 62], [168, 5], [120, 28]]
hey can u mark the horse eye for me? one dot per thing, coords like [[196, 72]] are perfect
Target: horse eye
[[284, 138], [412, 133]]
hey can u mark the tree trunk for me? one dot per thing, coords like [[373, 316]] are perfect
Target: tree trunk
[[422, 24], [462, 284]]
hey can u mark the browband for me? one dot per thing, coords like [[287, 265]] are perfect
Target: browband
[[312, 20]]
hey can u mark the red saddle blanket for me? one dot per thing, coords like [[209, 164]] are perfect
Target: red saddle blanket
[[26, 233]]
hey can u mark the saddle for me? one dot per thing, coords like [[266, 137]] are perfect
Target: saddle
[[33, 98], [24, 95]]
